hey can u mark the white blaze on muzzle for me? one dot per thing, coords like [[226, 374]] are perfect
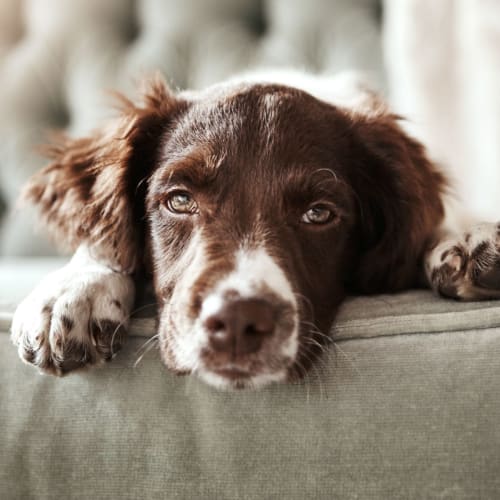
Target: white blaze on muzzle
[[256, 275]]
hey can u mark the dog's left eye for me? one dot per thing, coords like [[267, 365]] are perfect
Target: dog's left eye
[[181, 202], [318, 214]]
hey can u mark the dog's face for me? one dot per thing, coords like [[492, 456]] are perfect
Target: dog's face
[[249, 221], [256, 207]]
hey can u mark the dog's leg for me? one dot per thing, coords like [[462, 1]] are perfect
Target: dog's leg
[[76, 316], [465, 264]]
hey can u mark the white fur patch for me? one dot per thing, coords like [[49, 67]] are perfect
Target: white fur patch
[[83, 291], [255, 271], [256, 382], [190, 339]]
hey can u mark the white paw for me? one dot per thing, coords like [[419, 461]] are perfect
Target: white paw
[[76, 316], [467, 266]]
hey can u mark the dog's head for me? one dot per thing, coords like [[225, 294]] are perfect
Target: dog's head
[[256, 207]]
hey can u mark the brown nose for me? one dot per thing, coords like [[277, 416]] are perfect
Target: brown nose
[[240, 326]]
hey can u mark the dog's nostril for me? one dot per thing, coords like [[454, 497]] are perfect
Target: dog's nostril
[[250, 330], [262, 326], [240, 326], [214, 325]]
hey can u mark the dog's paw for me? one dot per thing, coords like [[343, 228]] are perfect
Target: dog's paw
[[467, 267], [76, 317]]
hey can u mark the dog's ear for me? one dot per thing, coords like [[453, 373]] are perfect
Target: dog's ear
[[399, 196], [92, 191]]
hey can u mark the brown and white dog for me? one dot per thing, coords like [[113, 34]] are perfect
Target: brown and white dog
[[256, 206]]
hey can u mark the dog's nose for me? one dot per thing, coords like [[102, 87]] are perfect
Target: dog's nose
[[239, 327]]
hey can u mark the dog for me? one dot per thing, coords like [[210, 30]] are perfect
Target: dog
[[256, 206]]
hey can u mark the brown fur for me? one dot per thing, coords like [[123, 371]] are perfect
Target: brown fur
[[254, 158], [90, 192]]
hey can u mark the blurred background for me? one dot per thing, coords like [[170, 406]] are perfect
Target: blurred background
[[438, 62]]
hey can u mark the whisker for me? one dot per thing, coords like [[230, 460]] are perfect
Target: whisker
[[313, 341], [140, 308], [333, 174], [113, 354], [317, 374], [307, 301], [351, 363], [145, 348], [304, 380], [154, 338], [319, 358], [322, 348], [139, 184], [122, 324]]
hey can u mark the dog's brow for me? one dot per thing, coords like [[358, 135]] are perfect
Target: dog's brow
[[193, 169], [313, 179]]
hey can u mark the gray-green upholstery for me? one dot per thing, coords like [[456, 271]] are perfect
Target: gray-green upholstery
[[404, 405]]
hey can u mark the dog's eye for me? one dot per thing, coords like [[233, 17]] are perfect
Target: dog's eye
[[181, 202], [318, 214]]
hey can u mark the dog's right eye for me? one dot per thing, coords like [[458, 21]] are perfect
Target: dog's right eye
[[180, 202]]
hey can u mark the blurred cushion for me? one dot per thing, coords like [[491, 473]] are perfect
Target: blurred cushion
[[57, 58], [386, 413], [18, 276]]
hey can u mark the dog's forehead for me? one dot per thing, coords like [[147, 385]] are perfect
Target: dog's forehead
[[256, 110], [243, 93], [253, 122]]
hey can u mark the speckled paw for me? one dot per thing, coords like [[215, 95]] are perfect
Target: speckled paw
[[467, 266], [73, 319]]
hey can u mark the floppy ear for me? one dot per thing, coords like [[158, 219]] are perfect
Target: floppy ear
[[399, 193], [92, 192]]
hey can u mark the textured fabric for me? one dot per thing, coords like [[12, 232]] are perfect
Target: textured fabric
[[386, 413], [57, 58], [407, 416]]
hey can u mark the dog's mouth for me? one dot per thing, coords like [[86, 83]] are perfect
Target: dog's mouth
[[230, 378], [233, 373]]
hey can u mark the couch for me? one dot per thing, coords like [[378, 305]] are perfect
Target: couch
[[406, 402]]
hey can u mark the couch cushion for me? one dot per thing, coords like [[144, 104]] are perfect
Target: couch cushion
[[18, 276], [405, 404], [400, 416]]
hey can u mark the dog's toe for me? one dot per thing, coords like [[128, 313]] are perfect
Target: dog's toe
[[490, 277], [467, 267], [79, 322], [108, 337]]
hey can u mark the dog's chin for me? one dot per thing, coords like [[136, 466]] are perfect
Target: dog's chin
[[235, 379]]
